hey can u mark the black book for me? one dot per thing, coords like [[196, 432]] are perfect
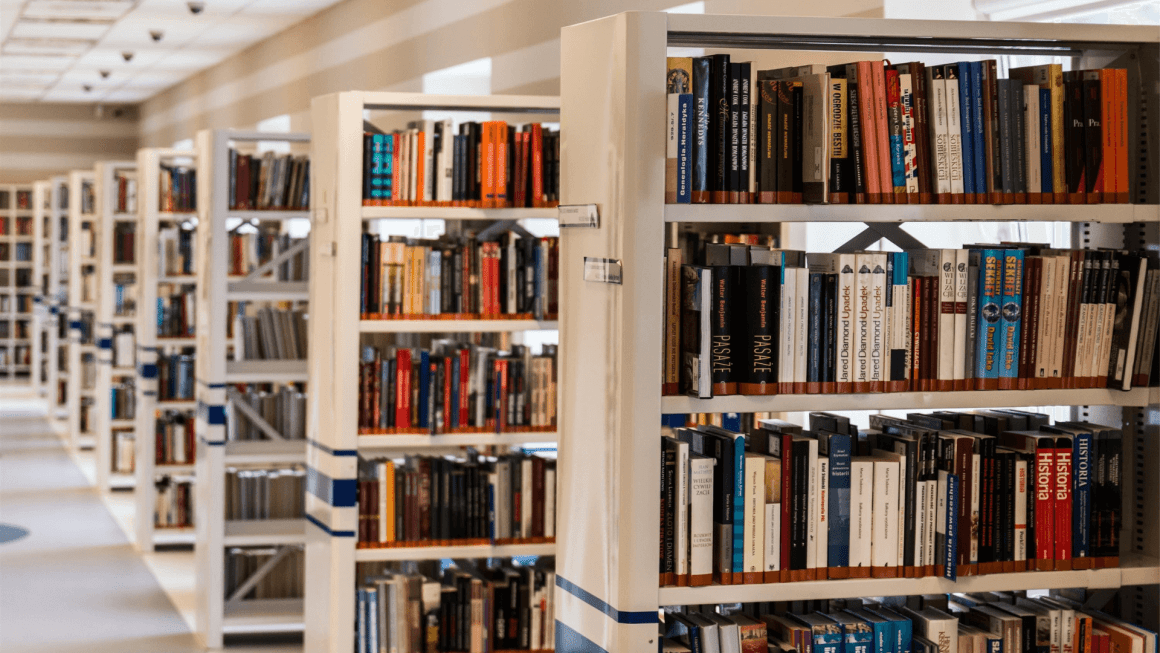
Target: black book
[[1075, 130], [799, 528], [787, 123], [798, 132], [669, 513], [702, 67], [726, 263], [1093, 134], [830, 328], [1125, 295], [719, 128], [734, 132], [1007, 137], [761, 298], [1018, 136], [841, 165], [744, 123], [767, 133]]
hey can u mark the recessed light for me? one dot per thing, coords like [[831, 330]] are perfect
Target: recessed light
[[127, 56], [87, 88], [156, 34], [105, 74]]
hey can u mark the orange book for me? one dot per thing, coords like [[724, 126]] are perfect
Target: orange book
[[1123, 151], [882, 133], [487, 165], [501, 156], [869, 130], [1106, 181]]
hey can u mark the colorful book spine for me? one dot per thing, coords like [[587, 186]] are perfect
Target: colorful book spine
[[1011, 318], [1082, 460], [685, 148], [1046, 151], [990, 295]]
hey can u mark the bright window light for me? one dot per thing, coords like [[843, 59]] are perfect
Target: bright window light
[[469, 78], [279, 124]]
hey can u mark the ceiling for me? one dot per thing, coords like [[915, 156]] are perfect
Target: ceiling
[[72, 50]]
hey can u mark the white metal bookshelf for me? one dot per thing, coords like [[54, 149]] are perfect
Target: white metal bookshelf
[[83, 223], [110, 271], [613, 103], [41, 255], [150, 347], [17, 285], [56, 300], [335, 337], [218, 412]]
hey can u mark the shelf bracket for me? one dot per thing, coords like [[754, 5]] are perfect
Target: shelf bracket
[[876, 231], [269, 266], [238, 402], [259, 574], [495, 229], [1098, 599]]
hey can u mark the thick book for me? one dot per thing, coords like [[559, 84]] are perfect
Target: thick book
[[702, 135], [760, 298], [939, 133], [696, 312], [955, 133], [1010, 318]]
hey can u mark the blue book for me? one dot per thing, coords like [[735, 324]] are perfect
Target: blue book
[[967, 126], [903, 629], [1011, 315], [994, 643], [452, 418], [884, 639], [827, 635], [731, 422], [362, 620], [1081, 500], [386, 184], [857, 635], [977, 115], [729, 514], [739, 503], [949, 553], [838, 539], [372, 631], [424, 363], [1045, 151], [990, 294], [685, 148], [814, 353]]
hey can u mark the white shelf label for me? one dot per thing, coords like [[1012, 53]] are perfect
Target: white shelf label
[[578, 215], [603, 270]]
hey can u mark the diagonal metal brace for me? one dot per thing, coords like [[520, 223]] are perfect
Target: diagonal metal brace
[[259, 574], [876, 231], [269, 266], [239, 403], [495, 229], [1098, 599]]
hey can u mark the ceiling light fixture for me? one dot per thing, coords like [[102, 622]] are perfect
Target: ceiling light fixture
[[156, 34], [127, 56], [87, 88], [105, 74], [195, 6]]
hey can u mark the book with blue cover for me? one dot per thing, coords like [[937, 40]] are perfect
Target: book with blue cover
[[989, 340], [883, 630], [1011, 318], [1046, 152], [839, 449], [980, 142], [903, 629], [967, 126], [857, 635]]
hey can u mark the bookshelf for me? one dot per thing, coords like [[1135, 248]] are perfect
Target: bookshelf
[[56, 298], [151, 347], [82, 303], [116, 282], [336, 336], [17, 287], [613, 104], [41, 255], [219, 377]]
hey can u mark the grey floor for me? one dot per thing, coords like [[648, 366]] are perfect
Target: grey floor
[[74, 583]]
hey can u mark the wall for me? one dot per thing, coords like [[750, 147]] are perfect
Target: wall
[[39, 140], [390, 44]]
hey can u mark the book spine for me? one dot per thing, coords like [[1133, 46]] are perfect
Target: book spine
[[815, 344], [759, 353], [940, 135], [787, 332], [734, 143], [869, 131], [910, 164], [745, 122], [897, 147], [802, 318], [1093, 138], [701, 141], [879, 322], [947, 285], [979, 136], [838, 509], [1048, 174], [719, 127], [966, 127], [1011, 317], [1044, 506], [1082, 500], [841, 173], [882, 130], [684, 149], [1063, 503], [861, 527], [857, 146], [767, 139], [846, 324], [1019, 140], [960, 320]]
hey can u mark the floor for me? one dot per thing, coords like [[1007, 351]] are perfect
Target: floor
[[74, 582]]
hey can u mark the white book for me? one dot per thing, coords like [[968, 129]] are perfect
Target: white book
[[1067, 631], [975, 487], [884, 545], [959, 364], [879, 321], [772, 537], [384, 492], [786, 321], [921, 525], [1046, 309], [1082, 354], [1020, 510], [900, 520], [940, 517], [1031, 117], [946, 314], [937, 626], [710, 640], [728, 633], [812, 527], [802, 326], [1062, 285], [1098, 315], [681, 537], [513, 284], [863, 286], [525, 481], [1126, 359], [1151, 321], [954, 132], [701, 516], [910, 146], [550, 503], [861, 506], [937, 92], [754, 543], [823, 528]]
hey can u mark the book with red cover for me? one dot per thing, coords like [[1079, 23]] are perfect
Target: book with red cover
[[871, 141], [1043, 483]]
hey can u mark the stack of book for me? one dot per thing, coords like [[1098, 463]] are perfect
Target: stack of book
[[175, 377], [284, 409], [507, 607], [124, 245], [455, 387], [126, 189], [285, 579], [272, 334], [935, 623], [872, 132], [516, 277], [175, 310], [123, 398], [173, 507], [251, 248], [175, 252], [486, 165], [124, 452], [265, 493], [178, 189], [176, 441], [428, 501], [269, 182], [748, 319], [946, 493]]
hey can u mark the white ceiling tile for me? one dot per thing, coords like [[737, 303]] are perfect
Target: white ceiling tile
[[47, 46], [25, 28], [19, 93], [128, 95], [32, 62], [93, 9]]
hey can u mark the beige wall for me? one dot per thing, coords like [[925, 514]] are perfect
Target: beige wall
[[390, 44], [39, 140]]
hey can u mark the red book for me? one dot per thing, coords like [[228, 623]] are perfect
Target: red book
[[403, 389], [447, 407], [537, 497], [537, 151], [869, 130], [376, 388], [464, 375], [1032, 269], [1043, 483], [502, 404], [1063, 507], [786, 504], [882, 132], [917, 351], [501, 154]]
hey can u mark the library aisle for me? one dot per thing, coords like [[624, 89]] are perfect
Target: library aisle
[[74, 582]]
